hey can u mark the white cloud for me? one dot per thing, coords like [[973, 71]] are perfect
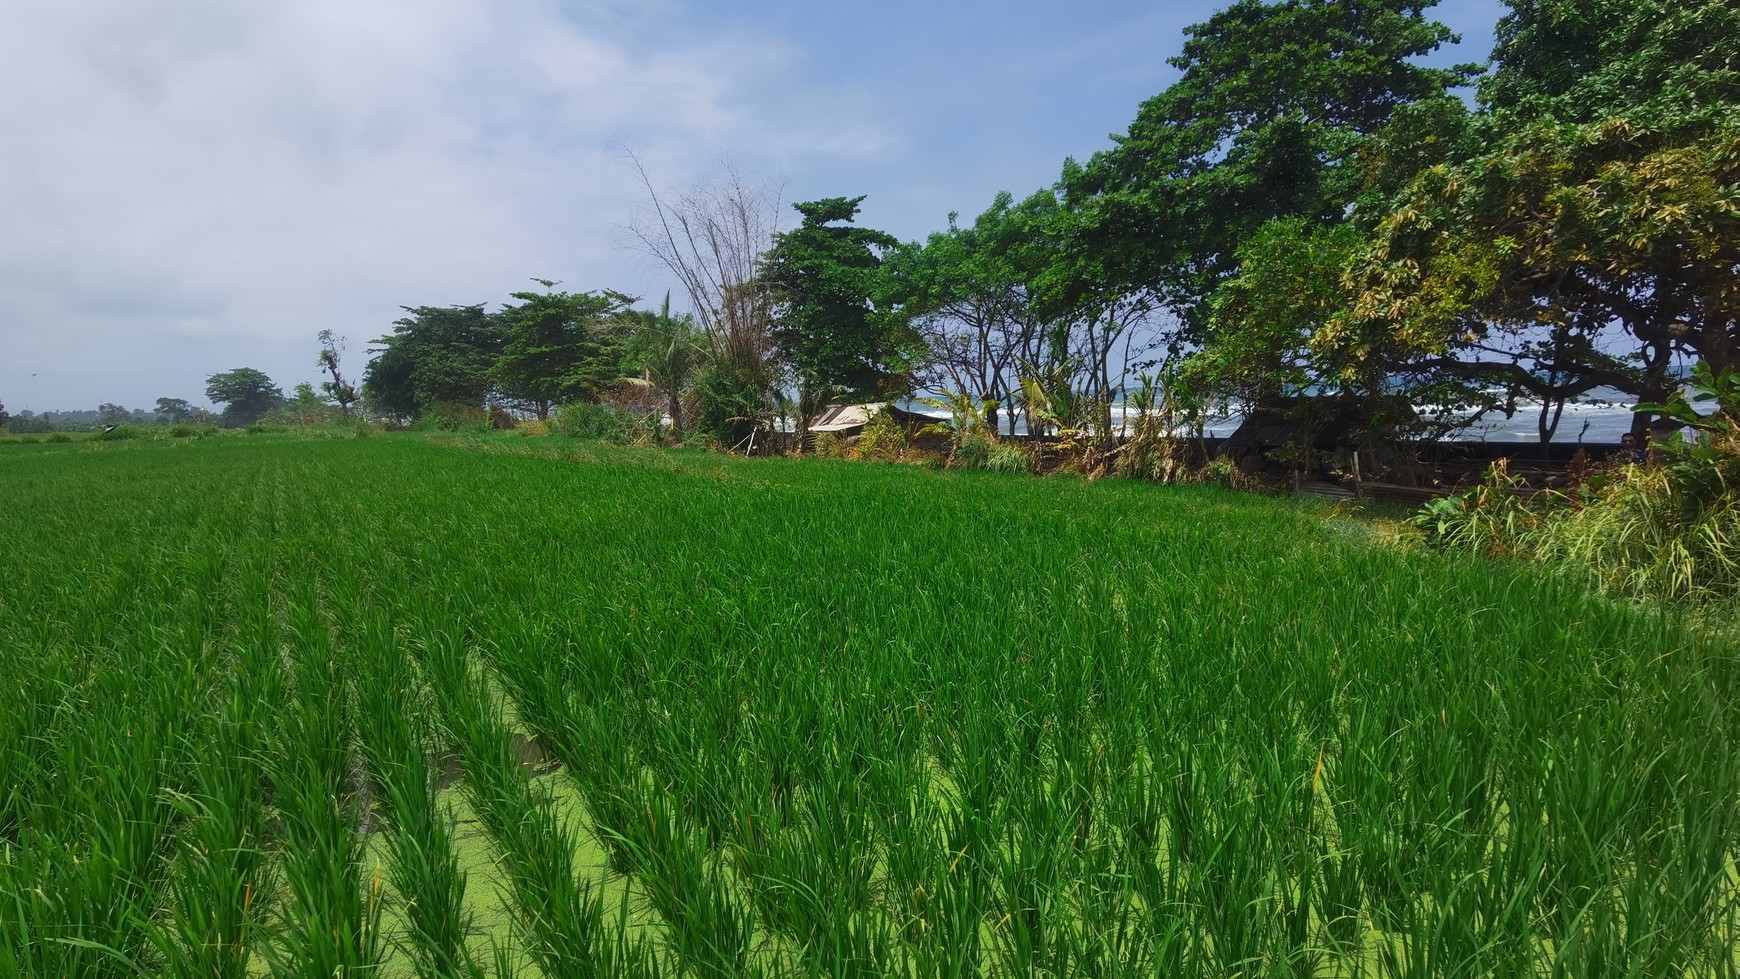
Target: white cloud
[[190, 185]]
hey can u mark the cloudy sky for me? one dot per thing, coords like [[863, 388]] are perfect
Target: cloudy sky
[[188, 186]]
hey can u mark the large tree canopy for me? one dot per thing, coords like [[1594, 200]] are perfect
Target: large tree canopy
[[560, 347], [246, 393], [1600, 193], [436, 355], [822, 276], [1273, 105]]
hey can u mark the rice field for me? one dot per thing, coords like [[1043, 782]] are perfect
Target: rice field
[[397, 707]]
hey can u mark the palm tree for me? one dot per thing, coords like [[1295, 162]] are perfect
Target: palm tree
[[670, 352]]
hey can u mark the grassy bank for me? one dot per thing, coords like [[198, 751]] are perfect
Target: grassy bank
[[799, 717]]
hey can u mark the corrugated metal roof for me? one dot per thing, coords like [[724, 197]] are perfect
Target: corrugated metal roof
[[841, 417]]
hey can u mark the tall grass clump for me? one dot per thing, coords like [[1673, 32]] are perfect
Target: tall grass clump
[[592, 421], [1664, 530]]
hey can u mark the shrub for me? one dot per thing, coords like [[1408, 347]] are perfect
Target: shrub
[[727, 404], [1645, 531], [882, 439], [58, 437], [1006, 458], [534, 427], [830, 446], [1645, 536], [640, 428], [587, 420], [450, 417], [120, 433], [973, 451], [266, 428], [1493, 518]]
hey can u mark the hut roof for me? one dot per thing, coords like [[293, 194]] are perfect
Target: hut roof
[[846, 418]]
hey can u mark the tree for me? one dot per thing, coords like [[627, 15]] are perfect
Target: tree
[[968, 293], [436, 355], [670, 351], [822, 276], [338, 389], [112, 414], [305, 405], [1268, 120], [175, 411], [1014, 296], [560, 347], [4, 417], [246, 393], [1598, 198], [711, 238]]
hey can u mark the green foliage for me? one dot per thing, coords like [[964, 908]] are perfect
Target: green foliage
[[719, 718], [1594, 187], [973, 450], [560, 347], [1720, 391], [670, 351], [731, 404], [340, 391], [596, 422], [1664, 532], [822, 277], [830, 446], [436, 355], [247, 395], [176, 411], [1651, 534], [58, 437], [1288, 288], [451, 417], [882, 439], [1494, 518], [1267, 121], [1005, 457], [121, 433]]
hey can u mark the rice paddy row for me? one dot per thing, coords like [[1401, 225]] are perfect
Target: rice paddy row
[[801, 718]]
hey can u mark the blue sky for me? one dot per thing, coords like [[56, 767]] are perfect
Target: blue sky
[[195, 185]]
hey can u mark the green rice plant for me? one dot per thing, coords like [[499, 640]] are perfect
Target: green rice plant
[[329, 921], [423, 865], [846, 720], [558, 915], [220, 885], [708, 930]]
